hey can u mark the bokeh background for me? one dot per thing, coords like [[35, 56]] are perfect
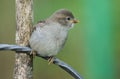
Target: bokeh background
[[93, 45]]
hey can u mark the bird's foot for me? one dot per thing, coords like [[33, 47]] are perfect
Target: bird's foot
[[50, 60], [33, 53]]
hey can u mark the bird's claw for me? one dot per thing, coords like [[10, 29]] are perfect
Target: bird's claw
[[33, 53], [50, 60]]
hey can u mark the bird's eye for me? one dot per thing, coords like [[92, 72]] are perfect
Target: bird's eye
[[68, 18]]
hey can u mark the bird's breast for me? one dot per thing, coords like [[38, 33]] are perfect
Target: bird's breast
[[48, 42]]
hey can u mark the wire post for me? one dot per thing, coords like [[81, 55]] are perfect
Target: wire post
[[23, 62]]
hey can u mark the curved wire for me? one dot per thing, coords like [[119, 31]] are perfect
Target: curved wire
[[56, 61]]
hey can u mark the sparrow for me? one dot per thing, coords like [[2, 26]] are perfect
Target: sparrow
[[49, 36]]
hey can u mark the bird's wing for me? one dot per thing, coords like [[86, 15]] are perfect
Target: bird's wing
[[39, 24]]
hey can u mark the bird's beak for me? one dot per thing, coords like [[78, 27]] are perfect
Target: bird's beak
[[75, 21]]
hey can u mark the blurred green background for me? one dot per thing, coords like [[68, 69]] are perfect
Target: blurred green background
[[93, 45]]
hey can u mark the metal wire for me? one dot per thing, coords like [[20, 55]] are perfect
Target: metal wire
[[56, 61]]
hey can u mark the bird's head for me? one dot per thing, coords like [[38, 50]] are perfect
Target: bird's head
[[64, 17]]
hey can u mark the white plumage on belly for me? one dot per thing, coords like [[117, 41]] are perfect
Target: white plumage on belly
[[48, 42]]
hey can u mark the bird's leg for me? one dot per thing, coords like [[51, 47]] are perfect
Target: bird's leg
[[51, 59], [33, 52]]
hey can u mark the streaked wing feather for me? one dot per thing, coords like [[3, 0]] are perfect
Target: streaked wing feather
[[39, 24]]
